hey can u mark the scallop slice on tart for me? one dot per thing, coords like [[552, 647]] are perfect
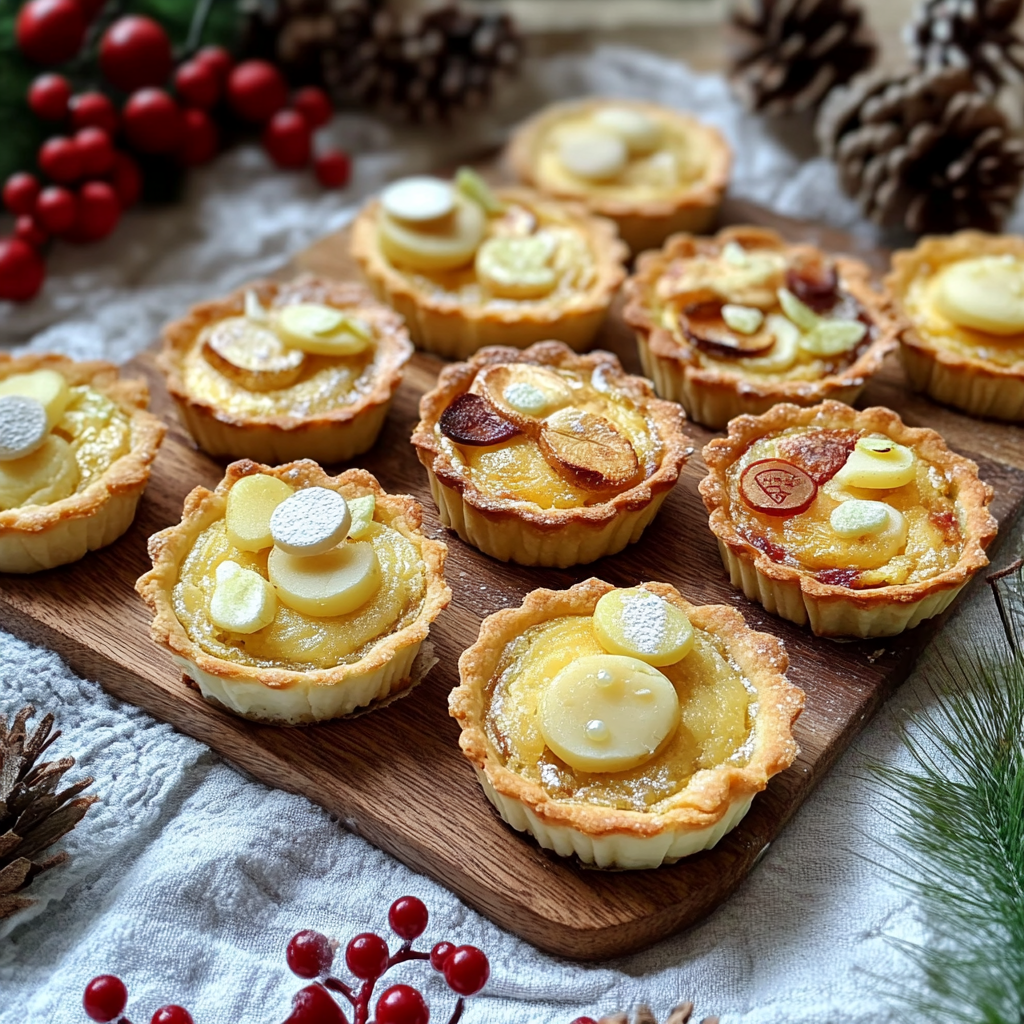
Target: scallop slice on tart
[[962, 299], [278, 371], [651, 169], [469, 266], [290, 596], [76, 445], [626, 727], [849, 521], [739, 322], [546, 457]]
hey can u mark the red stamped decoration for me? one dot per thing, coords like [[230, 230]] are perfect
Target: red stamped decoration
[[777, 488]]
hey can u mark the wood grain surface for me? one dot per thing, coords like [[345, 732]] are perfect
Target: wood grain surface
[[396, 775]]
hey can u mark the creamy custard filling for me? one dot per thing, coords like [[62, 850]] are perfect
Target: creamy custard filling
[[717, 707], [294, 640], [88, 438], [516, 470], [323, 384], [926, 543], [673, 163], [933, 319]]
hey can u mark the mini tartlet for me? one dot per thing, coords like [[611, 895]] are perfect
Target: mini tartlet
[[546, 457], [667, 717], [76, 446], [736, 323], [287, 634], [652, 170], [846, 520], [962, 299], [469, 267], [280, 371]]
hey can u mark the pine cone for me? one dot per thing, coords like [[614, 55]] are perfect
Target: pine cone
[[426, 66], [974, 34], [33, 816], [642, 1015], [787, 54], [923, 150]]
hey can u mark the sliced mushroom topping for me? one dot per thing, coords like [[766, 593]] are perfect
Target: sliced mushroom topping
[[588, 450], [704, 325], [523, 393], [814, 281]]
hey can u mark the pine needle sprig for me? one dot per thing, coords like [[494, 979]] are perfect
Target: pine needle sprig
[[958, 816]]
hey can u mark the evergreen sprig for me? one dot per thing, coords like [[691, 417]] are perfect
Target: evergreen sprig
[[959, 815]]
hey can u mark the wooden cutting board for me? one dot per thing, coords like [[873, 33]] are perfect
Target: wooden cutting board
[[396, 775]]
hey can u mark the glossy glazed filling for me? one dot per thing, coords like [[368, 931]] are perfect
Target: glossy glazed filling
[[295, 640], [517, 471], [717, 711], [676, 164], [91, 435], [808, 541]]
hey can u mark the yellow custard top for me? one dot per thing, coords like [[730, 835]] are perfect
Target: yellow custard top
[[90, 436], [717, 710], [517, 471], [677, 163], [928, 544], [324, 382], [572, 260], [295, 640], [931, 316]]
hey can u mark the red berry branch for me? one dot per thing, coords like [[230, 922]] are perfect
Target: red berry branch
[[154, 110], [310, 955]]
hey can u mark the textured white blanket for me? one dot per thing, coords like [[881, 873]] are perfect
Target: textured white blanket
[[189, 877]]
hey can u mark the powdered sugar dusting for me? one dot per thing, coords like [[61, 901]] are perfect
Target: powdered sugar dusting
[[644, 621]]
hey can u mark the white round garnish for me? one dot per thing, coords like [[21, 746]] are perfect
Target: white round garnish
[[640, 133], [593, 154], [23, 426], [857, 517], [310, 522], [526, 398], [419, 199], [597, 730]]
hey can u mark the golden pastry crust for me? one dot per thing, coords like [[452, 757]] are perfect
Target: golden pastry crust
[[643, 222], [319, 694], [978, 386], [557, 536], [708, 797], [344, 431], [832, 610], [36, 537], [713, 396], [444, 324]]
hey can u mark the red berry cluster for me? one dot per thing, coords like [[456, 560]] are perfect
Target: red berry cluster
[[310, 955], [89, 171]]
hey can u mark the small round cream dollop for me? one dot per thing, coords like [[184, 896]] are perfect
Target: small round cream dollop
[[419, 199], [608, 713], [310, 521], [640, 133], [986, 294], [334, 583], [878, 463], [23, 426], [593, 154], [859, 517], [251, 503], [640, 624], [243, 601]]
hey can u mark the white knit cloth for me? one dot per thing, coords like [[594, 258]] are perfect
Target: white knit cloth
[[188, 878]]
